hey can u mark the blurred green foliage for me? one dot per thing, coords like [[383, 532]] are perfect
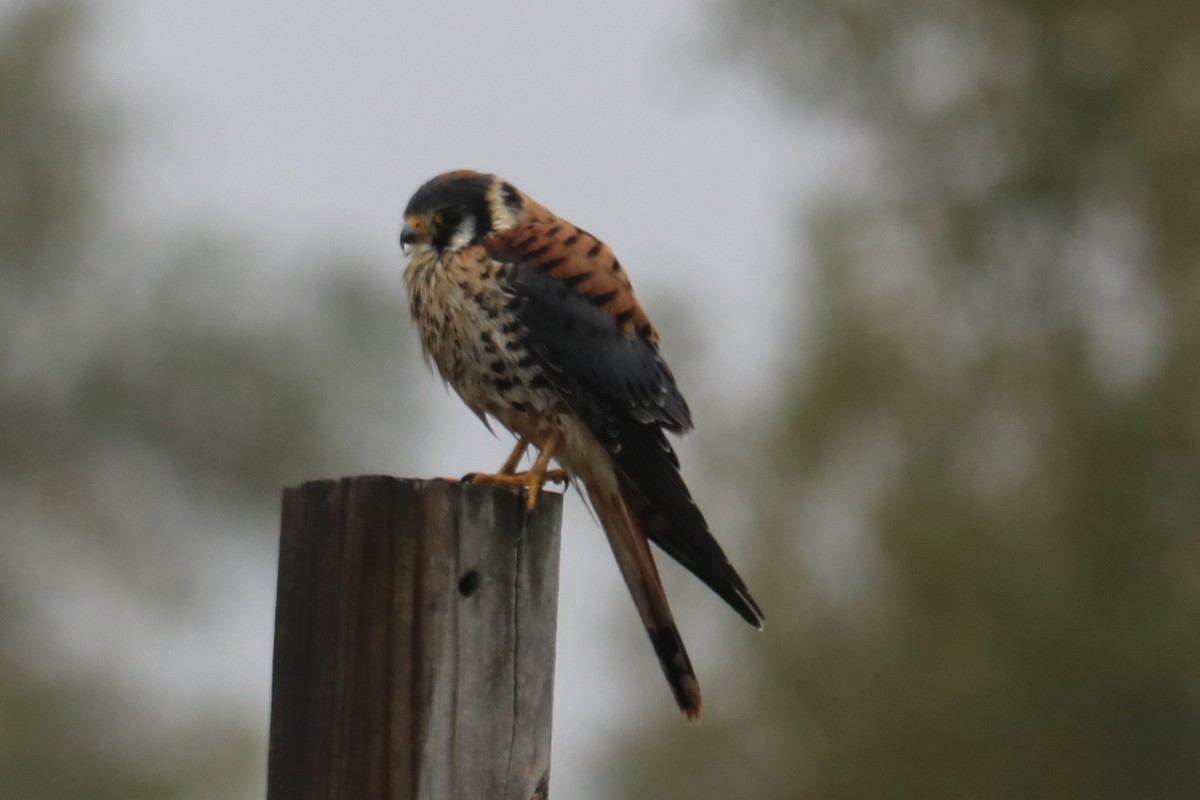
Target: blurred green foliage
[[975, 503], [157, 389]]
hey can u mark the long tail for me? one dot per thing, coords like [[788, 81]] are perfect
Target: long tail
[[632, 549], [659, 500]]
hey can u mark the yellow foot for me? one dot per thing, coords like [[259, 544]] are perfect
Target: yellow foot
[[531, 481]]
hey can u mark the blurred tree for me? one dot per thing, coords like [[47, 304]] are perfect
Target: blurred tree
[[155, 394], [976, 506]]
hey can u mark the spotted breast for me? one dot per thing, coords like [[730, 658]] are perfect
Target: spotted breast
[[470, 333]]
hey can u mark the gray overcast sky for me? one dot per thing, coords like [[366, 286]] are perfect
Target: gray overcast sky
[[306, 125]]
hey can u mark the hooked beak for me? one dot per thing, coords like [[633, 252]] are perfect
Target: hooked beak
[[415, 230]]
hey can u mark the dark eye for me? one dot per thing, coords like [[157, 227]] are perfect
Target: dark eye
[[450, 217]]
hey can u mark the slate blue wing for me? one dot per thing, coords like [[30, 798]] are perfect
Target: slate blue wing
[[620, 388]]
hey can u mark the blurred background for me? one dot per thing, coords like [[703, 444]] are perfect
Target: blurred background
[[929, 273]]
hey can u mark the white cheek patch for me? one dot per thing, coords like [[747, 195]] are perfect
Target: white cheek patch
[[503, 215], [463, 234]]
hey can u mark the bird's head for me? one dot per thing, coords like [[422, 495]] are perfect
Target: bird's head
[[459, 209]]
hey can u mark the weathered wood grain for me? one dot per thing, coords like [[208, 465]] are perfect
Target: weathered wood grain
[[414, 642]]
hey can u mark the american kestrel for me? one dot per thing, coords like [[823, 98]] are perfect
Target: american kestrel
[[533, 321]]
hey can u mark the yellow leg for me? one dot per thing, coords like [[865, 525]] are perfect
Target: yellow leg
[[514, 458], [541, 472], [531, 480]]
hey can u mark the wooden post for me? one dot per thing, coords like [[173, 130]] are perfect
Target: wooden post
[[414, 642]]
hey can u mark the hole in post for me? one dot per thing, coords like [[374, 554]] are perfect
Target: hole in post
[[468, 584]]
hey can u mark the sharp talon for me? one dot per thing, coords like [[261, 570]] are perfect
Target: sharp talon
[[531, 481]]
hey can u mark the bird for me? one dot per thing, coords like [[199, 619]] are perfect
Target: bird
[[534, 324]]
